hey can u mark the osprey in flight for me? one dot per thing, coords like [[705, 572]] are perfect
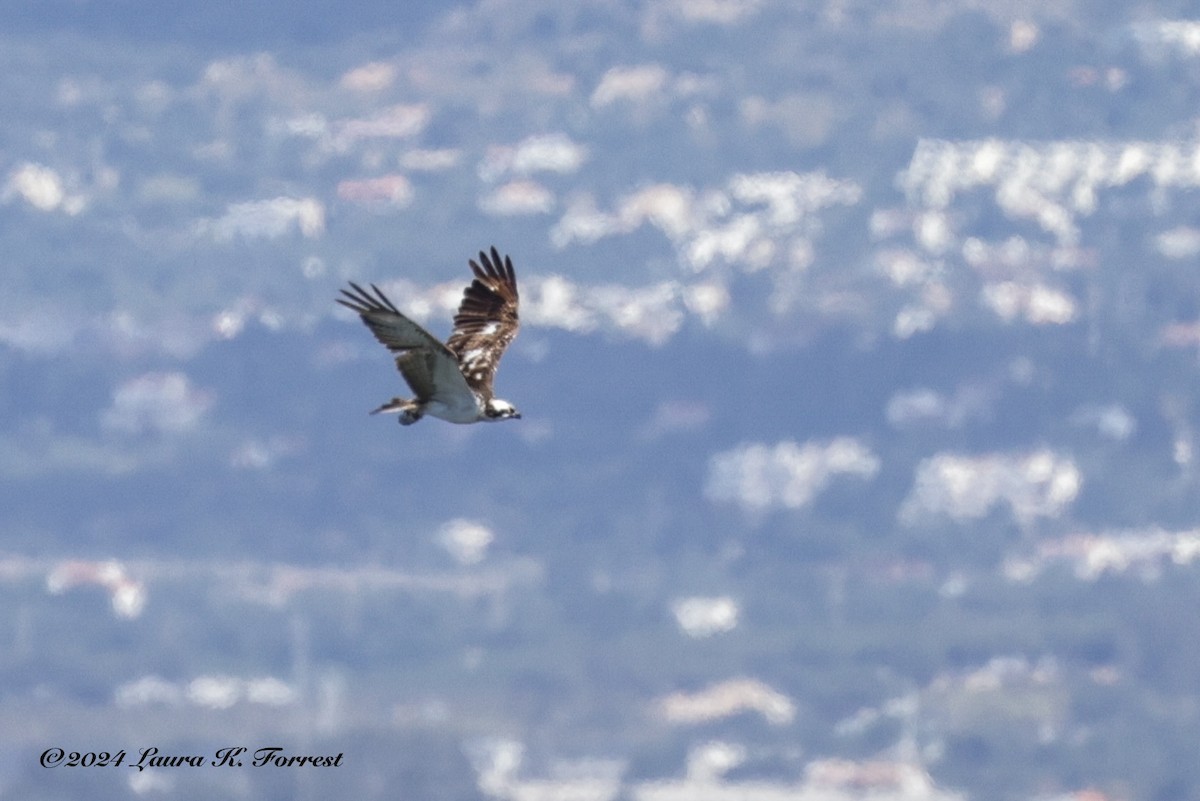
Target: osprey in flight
[[451, 381]]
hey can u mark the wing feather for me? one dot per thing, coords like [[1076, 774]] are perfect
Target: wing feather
[[393, 330], [421, 358], [486, 321], [415, 366]]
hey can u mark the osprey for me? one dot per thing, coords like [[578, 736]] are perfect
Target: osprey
[[451, 381]]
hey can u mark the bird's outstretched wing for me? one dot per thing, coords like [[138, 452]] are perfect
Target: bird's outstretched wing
[[390, 327], [429, 367], [486, 321]]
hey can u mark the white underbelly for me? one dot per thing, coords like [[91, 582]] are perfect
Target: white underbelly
[[466, 410]]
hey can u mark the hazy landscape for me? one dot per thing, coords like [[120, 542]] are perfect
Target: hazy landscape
[[858, 375]]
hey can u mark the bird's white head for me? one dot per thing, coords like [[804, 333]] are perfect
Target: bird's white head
[[496, 409]]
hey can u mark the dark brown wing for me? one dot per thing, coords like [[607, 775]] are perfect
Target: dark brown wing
[[486, 321]]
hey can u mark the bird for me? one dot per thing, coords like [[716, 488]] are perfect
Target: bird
[[451, 381]]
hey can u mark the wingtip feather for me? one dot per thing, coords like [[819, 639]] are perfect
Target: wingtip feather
[[494, 267], [362, 301]]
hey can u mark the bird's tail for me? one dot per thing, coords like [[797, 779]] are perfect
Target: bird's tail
[[394, 406]]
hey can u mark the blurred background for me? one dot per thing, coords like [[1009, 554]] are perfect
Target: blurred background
[[858, 373]]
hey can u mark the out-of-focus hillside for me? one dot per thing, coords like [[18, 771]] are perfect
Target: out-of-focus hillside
[[857, 370]]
